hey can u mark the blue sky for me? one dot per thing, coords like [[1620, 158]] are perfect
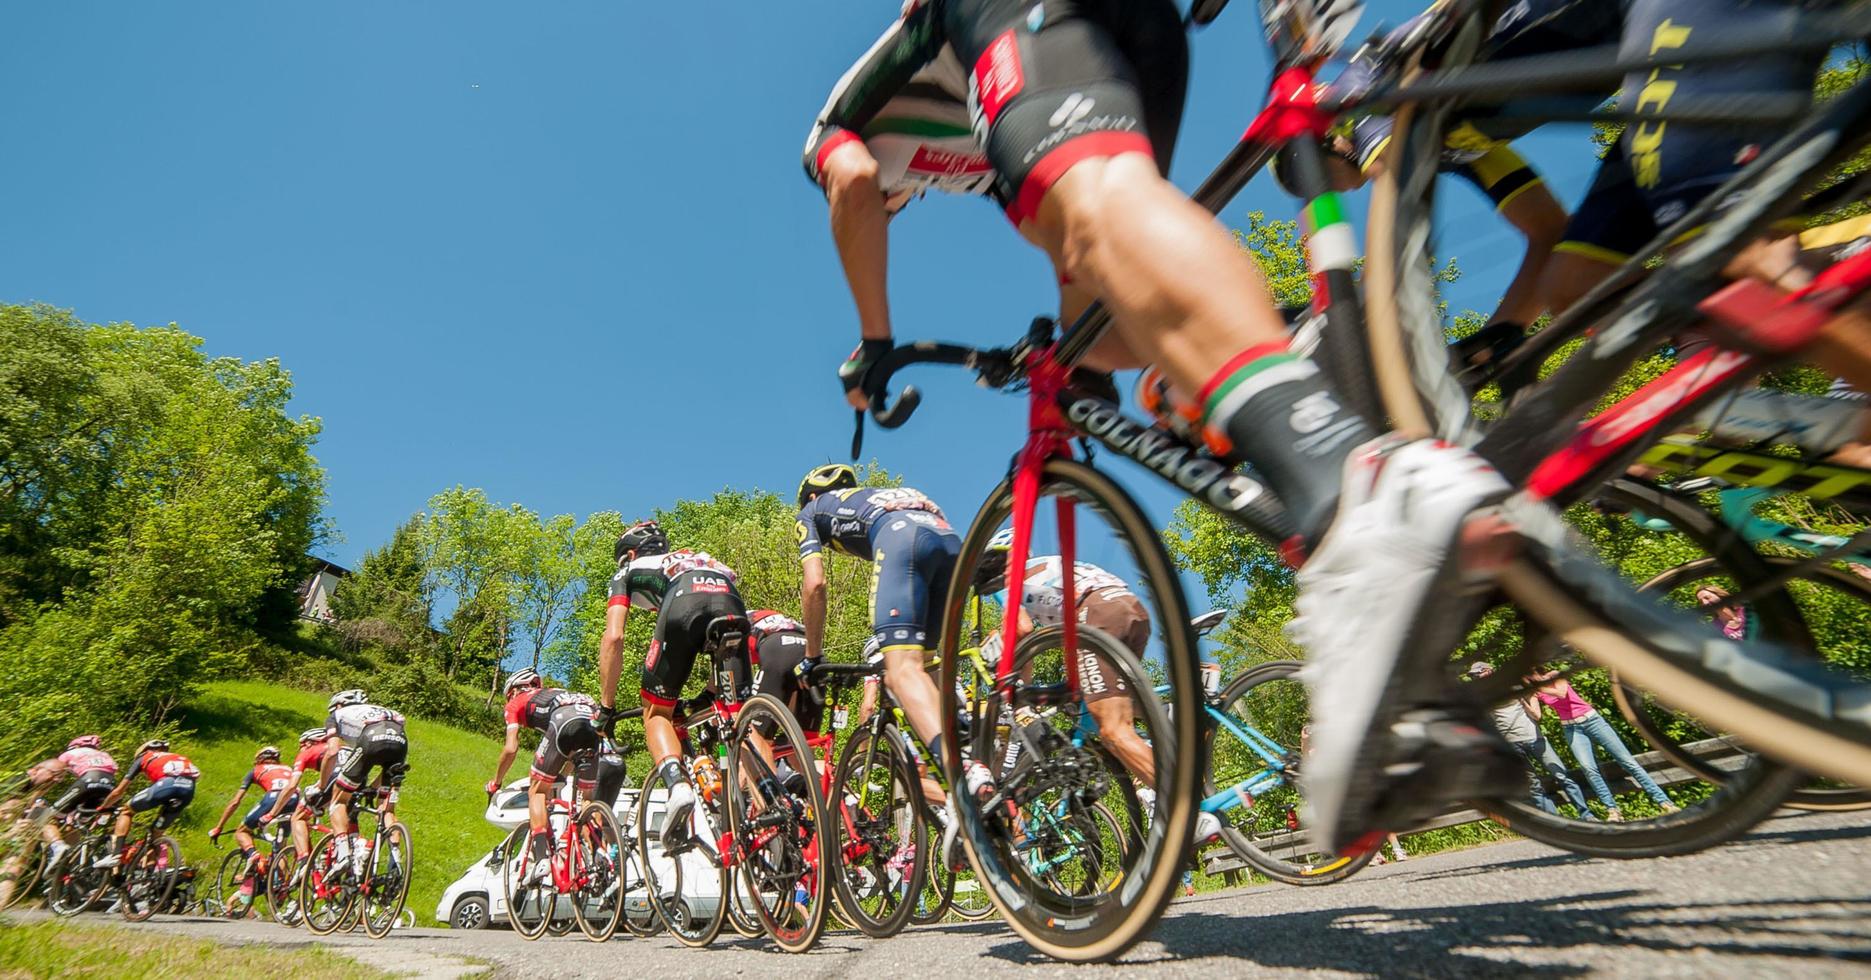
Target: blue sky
[[563, 252]]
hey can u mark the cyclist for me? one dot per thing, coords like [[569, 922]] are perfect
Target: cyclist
[[873, 150], [567, 725], [93, 773], [778, 647], [171, 787], [311, 758], [687, 590], [272, 778], [912, 550], [359, 737], [1103, 601], [1079, 106]]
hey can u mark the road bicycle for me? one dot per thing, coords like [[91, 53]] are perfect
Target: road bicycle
[[745, 824], [368, 886], [243, 882], [142, 880], [586, 864], [1395, 367]]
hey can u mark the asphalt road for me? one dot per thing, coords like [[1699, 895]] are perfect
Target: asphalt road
[[1792, 899]]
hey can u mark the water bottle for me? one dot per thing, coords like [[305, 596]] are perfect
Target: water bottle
[[707, 777], [1211, 680]]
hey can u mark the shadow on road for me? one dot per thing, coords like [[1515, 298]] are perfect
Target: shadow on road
[[1488, 938]]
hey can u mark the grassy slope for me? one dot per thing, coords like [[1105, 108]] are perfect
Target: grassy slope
[[441, 803], [58, 949]]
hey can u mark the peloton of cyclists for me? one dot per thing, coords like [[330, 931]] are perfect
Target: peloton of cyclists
[[93, 773]]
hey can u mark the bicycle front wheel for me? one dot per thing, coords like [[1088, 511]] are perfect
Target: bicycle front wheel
[[775, 830], [684, 881], [387, 885], [531, 901], [1254, 766], [1103, 526], [325, 893], [280, 872]]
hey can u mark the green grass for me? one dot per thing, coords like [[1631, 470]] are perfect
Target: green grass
[[441, 802], [57, 949]]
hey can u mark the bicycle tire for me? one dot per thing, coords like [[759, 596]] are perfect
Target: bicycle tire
[[645, 922], [795, 932], [1334, 868], [1578, 613], [324, 865], [150, 879], [30, 855], [887, 756], [396, 856], [1069, 934], [279, 874], [596, 829], [227, 882], [674, 909], [529, 906], [1730, 555], [76, 886], [741, 917], [937, 893]]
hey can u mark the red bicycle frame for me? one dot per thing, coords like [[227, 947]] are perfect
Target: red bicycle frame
[[1048, 437]]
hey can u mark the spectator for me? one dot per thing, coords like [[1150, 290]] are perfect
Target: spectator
[[1583, 726], [1519, 723], [1733, 619]]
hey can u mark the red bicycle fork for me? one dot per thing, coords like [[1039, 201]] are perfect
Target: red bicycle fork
[[1048, 438]]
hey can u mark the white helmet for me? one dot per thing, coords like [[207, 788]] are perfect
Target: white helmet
[[312, 735], [520, 678], [343, 698]]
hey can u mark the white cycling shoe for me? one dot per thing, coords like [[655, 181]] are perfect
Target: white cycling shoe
[[681, 805], [1207, 827], [1401, 509]]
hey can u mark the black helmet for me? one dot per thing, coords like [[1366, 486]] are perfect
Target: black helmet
[[644, 538], [831, 476]]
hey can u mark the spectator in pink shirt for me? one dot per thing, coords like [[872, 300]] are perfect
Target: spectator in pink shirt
[[1583, 727]]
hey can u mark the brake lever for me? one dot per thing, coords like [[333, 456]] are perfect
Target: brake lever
[[857, 435]]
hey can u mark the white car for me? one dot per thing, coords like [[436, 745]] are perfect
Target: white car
[[478, 899]]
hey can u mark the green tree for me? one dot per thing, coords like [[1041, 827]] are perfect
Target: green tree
[[548, 581], [156, 506], [385, 603], [472, 551]]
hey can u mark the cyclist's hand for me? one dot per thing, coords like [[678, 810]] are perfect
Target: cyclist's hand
[[804, 669], [492, 787], [851, 372], [607, 720], [214, 837]]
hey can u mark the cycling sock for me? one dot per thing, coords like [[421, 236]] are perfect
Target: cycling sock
[[1270, 408], [670, 772]]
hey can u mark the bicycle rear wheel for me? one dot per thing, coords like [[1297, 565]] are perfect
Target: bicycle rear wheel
[[1254, 756], [325, 893], [683, 879], [878, 832], [150, 877], [388, 884], [227, 882], [776, 844], [597, 895], [1085, 927]]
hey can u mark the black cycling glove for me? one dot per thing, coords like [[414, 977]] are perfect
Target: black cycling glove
[[851, 372], [607, 719]]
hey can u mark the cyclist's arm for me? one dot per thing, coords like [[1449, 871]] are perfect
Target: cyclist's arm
[[611, 650], [279, 800], [330, 760], [1524, 201], [812, 603], [228, 811], [868, 703], [507, 754], [860, 231]]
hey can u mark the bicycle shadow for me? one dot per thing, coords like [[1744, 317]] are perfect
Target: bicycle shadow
[[1496, 938]]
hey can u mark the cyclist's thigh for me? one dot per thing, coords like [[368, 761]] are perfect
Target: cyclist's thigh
[[912, 555], [1120, 614], [1061, 82], [252, 820], [671, 655]]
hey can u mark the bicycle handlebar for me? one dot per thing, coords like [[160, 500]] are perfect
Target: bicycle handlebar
[[877, 379]]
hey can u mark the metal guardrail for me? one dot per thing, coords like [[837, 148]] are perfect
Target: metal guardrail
[[1723, 753]]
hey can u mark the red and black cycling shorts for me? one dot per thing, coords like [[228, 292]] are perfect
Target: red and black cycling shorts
[[694, 600], [1056, 82]]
